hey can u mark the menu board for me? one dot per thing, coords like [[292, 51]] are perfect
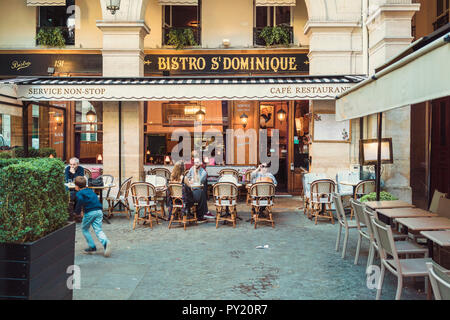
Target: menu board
[[327, 129]]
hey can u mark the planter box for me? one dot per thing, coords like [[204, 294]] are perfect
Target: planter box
[[37, 270]]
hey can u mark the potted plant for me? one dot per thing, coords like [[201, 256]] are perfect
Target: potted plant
[[384, 196], [277, 35], [37, 244], [181, 38], [50, 37]]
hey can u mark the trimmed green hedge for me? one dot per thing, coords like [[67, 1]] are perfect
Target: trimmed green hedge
[[384, 196], [33, 198], [19, 152]]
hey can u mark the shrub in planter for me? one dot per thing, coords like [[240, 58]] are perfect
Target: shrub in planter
[[181, 38], [46, 152], [19, 152], [36, 241], [5, 155], [384, 196], [50, 37], [277, 35]]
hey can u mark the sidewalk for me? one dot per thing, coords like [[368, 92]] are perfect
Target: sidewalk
[[208, 263]]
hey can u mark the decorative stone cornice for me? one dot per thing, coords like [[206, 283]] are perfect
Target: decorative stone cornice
[[401, 9], [330, 24]]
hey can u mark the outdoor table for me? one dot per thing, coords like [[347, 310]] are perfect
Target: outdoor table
[[226, 178], [441, 238], [99, 191], [351, 183], [374, 205], [391, 214]]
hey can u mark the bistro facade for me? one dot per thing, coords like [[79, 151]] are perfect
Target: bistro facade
[[116, 96]]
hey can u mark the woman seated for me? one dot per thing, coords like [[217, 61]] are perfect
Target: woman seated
[[190, 196]]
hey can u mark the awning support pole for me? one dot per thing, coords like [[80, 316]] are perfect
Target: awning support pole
[[378, 166], [25, 127], [120, 143]]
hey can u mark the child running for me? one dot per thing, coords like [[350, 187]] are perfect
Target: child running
[[93, 215]]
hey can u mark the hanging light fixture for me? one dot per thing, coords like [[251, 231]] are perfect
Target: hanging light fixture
[[58, 119], [281, 114], [200, 115], [91, 116], [244, 120], [113, 6]]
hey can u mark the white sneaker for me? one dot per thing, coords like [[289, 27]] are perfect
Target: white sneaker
[[107, 252]]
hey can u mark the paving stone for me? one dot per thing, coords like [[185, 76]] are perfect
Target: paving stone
[[223, 264]]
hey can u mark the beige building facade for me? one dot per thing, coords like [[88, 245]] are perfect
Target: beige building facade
[[351, 37]]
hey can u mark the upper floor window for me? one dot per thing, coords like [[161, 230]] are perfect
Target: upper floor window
[[272, 16], [181, 25], [61, 17], [442, 13]]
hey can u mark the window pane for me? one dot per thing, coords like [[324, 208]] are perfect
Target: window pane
[[283, 15], [184, 16], [166, 16], [261, 17], [440, 7], [88, 135]]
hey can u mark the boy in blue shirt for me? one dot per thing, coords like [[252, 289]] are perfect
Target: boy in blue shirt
[[93, 215]]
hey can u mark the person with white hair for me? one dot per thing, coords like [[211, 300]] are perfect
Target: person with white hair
[[72, 171]]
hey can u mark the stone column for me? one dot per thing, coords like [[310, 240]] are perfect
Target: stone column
[[123, 56], [389, 27], [335, 48]]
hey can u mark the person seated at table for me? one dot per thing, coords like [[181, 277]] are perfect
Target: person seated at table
[[261, 174], [72, 171], [197, 175], [190, 196]]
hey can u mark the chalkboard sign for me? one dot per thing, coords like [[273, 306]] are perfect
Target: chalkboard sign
[[327, 129]]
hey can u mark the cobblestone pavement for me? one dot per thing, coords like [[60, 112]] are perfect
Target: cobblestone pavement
[[208, 263]]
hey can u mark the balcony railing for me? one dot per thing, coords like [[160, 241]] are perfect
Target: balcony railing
[[258, 41], [442, 20], [195, 30], [68, 34]]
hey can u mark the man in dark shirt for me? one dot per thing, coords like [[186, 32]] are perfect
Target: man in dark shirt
[[72, 171], [93, 215]]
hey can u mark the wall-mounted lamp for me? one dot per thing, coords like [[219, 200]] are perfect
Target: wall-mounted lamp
[[281, 115], [99, 158], [244, 120], [167, 160], [226, 43], [113, 6], [200, 115], [50, 71]]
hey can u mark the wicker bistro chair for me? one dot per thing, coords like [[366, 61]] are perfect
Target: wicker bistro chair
[[87, 174], [160, 184], [144, 197], [225, 196], [363, 188], [176, 198], [161, 172], [401, 268], [248, 184], [308, 178], [262, 194], [121, 198], [229, 171], [321, 191], [440, 281]]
